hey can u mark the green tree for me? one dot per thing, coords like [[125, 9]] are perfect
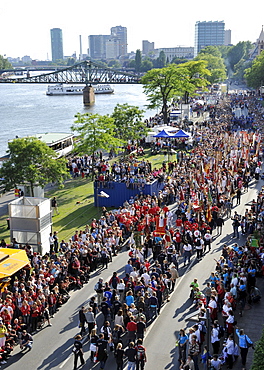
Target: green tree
[[255, 74], [114, 64], [224, 49], [146, 65], [131, 63], [138, 60], [162, 85], [212, 50], [61, 62], [197, 77], [95, 132], [258, 354], [177, 60], [161, 61], [238, 52], [128, 121], [32, 162], [4, 63], [215, 65], [239, 69]]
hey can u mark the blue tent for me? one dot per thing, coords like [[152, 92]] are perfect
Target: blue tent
[[180, 134], [162, 133]]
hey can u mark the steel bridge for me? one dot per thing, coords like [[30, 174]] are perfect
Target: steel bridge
[[86, 72]]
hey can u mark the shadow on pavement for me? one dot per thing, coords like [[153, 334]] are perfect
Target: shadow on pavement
[[58, 356]]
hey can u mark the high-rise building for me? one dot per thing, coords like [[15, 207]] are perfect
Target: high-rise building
[[227, 37], [56, 44], [147, 47], [208, 33], [120, 33], [97, 46], [112, 48]]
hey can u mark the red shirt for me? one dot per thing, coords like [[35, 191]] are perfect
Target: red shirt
[[131, 326], [178, 222], [178, 237]]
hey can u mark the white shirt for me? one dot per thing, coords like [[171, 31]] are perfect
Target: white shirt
[[214, 335], [230, 346], [187, 248], [146, 278], [212, 304]]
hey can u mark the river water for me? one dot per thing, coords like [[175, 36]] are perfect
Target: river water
[[25, 109]]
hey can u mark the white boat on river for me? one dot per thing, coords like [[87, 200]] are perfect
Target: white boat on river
[[77, 90]]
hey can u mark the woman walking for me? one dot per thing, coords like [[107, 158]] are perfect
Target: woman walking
[[119, 356], [244, 343]]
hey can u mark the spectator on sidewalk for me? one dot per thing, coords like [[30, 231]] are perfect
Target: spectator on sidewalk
[[244, 344]]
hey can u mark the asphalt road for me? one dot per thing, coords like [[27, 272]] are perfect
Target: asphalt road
[[53, 345]]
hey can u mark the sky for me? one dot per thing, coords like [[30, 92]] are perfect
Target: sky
[[25, 26]]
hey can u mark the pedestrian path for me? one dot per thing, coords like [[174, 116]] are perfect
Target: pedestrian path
[[252, 322]]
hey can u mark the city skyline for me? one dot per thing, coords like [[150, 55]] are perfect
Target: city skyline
[[167, 26]]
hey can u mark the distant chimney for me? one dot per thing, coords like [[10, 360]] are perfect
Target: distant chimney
[[81, 56]]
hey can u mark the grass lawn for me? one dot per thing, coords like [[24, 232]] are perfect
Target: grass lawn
[[76, 203], [76, 206]]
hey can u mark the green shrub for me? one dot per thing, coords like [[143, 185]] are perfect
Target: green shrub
[[259, 354]]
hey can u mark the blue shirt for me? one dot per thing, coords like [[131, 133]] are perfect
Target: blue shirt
[[128, 269], [182, 339], [108, 296], [129, 300], [243, 339]]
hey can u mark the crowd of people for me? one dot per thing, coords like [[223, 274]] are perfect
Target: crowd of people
[[203, 185], [230, 288]]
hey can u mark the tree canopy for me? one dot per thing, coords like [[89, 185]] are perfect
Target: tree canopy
[[138, 60], [128, 121], [32, 162], [255, 74], [4, 63], [215, 64], [162, 85], [95, 132], [238, 52]]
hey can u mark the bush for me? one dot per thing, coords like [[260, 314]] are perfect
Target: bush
[[259, 354]]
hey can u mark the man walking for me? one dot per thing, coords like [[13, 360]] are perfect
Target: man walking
[[82, 320], [141, 357], [131, 353], [99, 288], [78, 351]]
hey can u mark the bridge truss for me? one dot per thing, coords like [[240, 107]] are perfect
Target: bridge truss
[[86, 72]]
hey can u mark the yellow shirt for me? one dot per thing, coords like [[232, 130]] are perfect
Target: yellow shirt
[[3, 331]]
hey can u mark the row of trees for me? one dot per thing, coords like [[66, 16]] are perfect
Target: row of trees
[[4, 63]]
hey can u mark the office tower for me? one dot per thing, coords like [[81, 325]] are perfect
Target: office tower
[[97, 46], [227, 37], [56, 44], [112, 48], [208, 33], [120, 33], [147, 47]]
